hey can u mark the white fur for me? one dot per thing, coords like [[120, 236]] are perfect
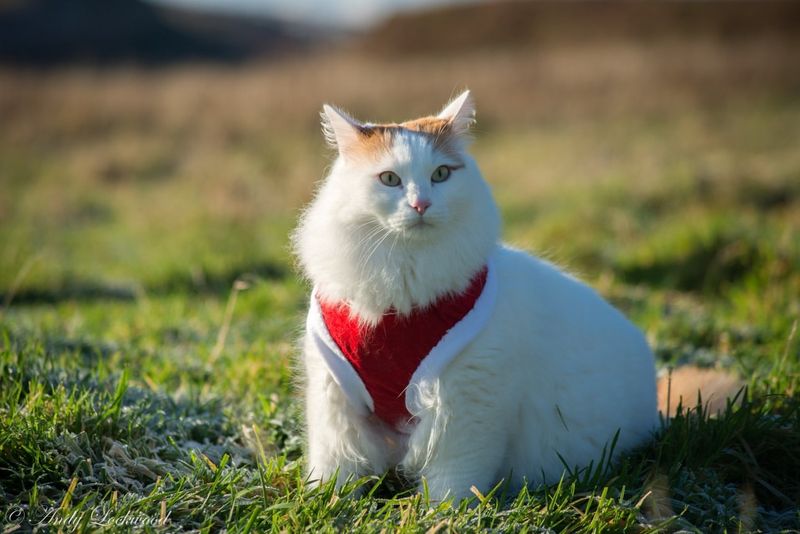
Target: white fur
[[555, 371]]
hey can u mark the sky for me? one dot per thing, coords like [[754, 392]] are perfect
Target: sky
[[346, 14]]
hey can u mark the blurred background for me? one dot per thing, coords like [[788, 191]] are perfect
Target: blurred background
[[152, 154], [154, 147]]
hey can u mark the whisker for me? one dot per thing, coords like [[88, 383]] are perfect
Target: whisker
[[376, 247], [364, 244], [394, 242]]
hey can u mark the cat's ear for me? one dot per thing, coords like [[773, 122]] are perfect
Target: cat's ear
[[341, 131], [460, 113]]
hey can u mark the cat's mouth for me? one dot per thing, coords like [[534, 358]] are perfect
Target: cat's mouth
[[414, 226], [419, 224]]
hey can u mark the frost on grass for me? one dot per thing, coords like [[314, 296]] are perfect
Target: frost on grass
[[109, 435]]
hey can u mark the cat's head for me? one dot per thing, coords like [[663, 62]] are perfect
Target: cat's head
[[414, 178], [404, 214]]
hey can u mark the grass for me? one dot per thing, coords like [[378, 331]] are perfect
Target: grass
[[135, 392]]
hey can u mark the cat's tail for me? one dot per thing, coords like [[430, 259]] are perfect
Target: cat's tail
[[682, 385]]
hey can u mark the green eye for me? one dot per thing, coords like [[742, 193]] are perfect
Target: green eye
[[390, 179], [441, 174]]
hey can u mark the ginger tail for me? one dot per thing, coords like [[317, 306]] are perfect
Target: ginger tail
[[715, 387]]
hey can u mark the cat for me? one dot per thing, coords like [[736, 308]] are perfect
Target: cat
[[433, 348]]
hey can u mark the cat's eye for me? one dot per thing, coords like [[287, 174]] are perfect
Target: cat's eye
[[441, 174], [389, 179]]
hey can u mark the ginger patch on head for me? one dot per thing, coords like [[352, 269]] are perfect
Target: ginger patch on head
[[427, 125], [357, 140], [373, 141], [377, 139], [440, 131]]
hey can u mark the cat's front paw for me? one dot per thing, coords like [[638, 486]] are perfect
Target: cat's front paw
[[442, 490]]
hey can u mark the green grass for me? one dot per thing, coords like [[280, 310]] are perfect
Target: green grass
[[122, 404]]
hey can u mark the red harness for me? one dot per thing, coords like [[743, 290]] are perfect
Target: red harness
[[385, 356]]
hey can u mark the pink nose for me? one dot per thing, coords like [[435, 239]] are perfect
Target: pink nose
[[421, 205]]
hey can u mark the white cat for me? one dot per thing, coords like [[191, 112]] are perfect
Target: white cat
[[531, 368]]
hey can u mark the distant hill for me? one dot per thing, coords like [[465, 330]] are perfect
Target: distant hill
[[505, 24], [44, 32]]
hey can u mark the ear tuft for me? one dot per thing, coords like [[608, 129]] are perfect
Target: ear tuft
[[340, 129], [460, 113]]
